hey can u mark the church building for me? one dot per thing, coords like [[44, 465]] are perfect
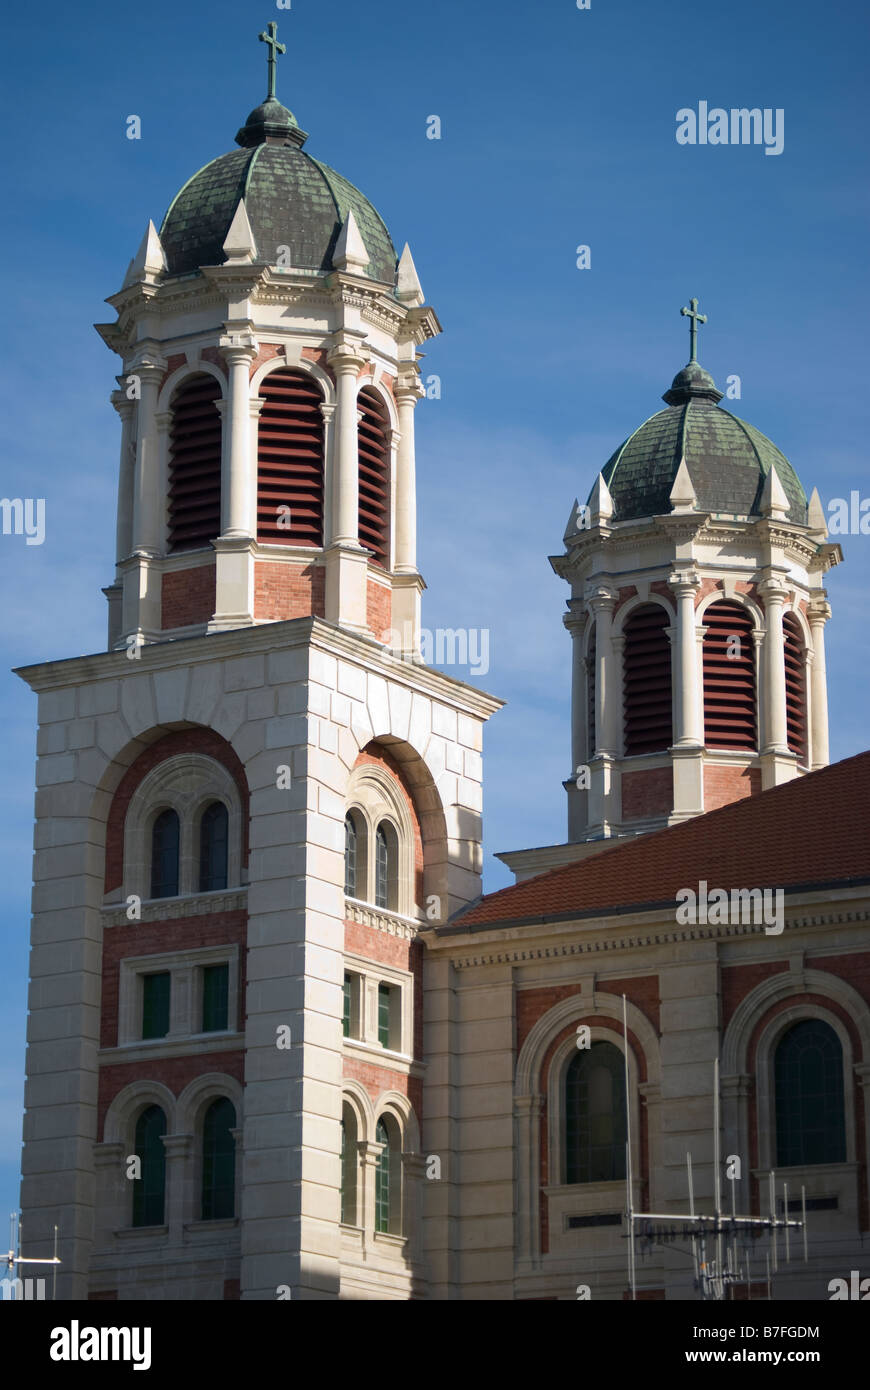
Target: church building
[[279, 1046]]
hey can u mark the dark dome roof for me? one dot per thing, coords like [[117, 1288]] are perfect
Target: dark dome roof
[[291, 199], [728, 460]]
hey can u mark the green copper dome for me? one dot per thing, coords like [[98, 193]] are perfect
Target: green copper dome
[[728, 460], [292, 201]]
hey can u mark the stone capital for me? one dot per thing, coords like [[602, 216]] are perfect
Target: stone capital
[[163, 420], [684, 582], [177, 1145], [122, 403], [327, 410], [238, 349], [149, 371], [818, 612], [255, 405], [348, 354], [774, 591]]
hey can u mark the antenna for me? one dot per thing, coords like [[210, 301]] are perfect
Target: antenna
[[715, 1277], [13, 1259]]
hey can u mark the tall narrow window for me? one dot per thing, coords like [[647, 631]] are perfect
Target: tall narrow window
[[808, 1082], [213, 847], [590, 695], [350, 847], [215, 998], [219, 1161], [595, 1115], [384, 1178], [795, 686], [374, 474], [384, 1002], [149, 1190], [729, 677], [156, 990], [647, 681], [382, 868], [165, 836], [195, 464], [348, 1166], [290, 460]]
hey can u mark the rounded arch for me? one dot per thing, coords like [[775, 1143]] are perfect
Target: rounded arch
[[179, 376], [609, 1008], [304, 365], [126, 1107], [354, 1094], [751, 1010], [624, 612], [742, 600], [389, 777], [132, 762], [186, 782], [377, 387], [199, 1094], [397, 1108]]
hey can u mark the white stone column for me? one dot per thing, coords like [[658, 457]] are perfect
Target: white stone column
[[407, 392], [346, 360], [818, 614], [688, 726], [146, 495], [163, 423], [126, 477], [602, 603], [774, 594], [239, 352], [255, 405], [327, 410], [347, 561]]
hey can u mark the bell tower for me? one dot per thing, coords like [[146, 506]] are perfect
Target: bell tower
[[697, 616], [251, 804]]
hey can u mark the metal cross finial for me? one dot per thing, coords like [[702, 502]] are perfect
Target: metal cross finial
[[274, 48], [693, 327]]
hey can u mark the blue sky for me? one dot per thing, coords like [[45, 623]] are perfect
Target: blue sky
[[558, 129]]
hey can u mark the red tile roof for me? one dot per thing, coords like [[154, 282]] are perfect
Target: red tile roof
[[811, 832]]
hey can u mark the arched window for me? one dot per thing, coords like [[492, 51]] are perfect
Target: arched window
[[808, 1085], [795, 686], [647, 681], [374, 474], [385, 865], [213, 848], [729, 677], [590, 695], [149, 1190], [350, 860], [219, 1161], [348, 1167], [595, 1115], [195, 464], [290, 460], [388, 1178], [165, 834]]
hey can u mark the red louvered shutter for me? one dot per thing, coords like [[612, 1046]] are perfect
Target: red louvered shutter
[[795, 686], [290, 460], [729, 678], [646, 681], [195, 465], [374, 473], [590, 695]]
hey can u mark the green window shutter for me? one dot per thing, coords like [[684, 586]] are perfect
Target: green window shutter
[[219, 1161], [382, 1181], [215, 998], [155, 1005], [348, 985], [384, 1015], [149, 1190]]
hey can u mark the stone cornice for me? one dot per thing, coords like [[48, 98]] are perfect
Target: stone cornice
[[515, 943], [390, 923], [168, 909], [268, 637], [703, 528]]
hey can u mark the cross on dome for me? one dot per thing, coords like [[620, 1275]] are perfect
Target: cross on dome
[[696, 318], [275, 48]]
